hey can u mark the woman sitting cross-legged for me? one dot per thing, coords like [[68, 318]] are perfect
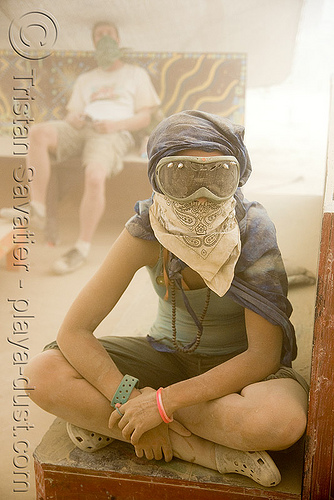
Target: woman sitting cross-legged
[[212, 383]]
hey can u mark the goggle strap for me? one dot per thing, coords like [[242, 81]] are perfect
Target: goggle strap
[[189, 308], [166, 279], [165, 259]]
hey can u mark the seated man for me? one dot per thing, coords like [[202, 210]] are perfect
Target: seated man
[[107, 104]]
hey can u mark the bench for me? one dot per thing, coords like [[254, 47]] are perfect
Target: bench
[[213, 82]]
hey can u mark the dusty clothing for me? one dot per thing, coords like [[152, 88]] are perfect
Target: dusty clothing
[[224, 331], [104, 95], [260, 282], [205, 236], [107, 150], [113, 95], [159, 369]]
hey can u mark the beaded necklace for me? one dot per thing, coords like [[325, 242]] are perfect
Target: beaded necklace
[[172, 276], [195, 343]]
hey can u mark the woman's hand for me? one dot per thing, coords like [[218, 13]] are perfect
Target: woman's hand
[[139, 415], [155, 444]]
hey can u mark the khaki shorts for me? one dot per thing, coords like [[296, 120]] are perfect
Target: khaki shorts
[[107, 150], [135, 356]]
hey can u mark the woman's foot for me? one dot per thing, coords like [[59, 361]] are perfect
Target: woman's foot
[[257, 465], [87, 440]]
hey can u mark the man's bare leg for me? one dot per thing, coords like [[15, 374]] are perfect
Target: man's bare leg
[[91, 210], [43, 140], [93, 201]]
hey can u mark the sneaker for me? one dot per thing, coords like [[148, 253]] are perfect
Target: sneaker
[[35, 220], [69, 262]]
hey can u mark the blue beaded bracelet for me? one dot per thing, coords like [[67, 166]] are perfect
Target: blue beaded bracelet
[[124, 390]]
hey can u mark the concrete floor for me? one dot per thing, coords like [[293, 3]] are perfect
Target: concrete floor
[[50, 296]]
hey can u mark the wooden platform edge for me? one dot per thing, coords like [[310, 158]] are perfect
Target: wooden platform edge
[[79, 481]]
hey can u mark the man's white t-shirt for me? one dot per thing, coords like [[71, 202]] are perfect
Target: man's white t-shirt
[[113, 95]]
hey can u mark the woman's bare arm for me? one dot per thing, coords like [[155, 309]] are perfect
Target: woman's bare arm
[[95, 301], [261, 358]]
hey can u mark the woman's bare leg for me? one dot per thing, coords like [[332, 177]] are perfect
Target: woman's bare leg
[[235, 421], [269, 415], [60, 390]]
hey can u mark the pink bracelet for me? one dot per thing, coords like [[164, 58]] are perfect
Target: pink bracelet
[[161, 408]]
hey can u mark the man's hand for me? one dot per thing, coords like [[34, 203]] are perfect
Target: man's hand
[[138, 121], [77, 120], [106, 126]]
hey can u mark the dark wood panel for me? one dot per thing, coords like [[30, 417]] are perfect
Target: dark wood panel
[[319, 457]]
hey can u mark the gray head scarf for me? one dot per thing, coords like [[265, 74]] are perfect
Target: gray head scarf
[[260, 281], [197, 130]]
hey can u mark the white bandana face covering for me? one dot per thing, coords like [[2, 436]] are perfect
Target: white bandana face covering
[[203, 235]]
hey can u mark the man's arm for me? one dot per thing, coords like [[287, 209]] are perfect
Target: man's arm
[[77, 120]]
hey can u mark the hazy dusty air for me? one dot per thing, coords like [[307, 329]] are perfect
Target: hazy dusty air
[[289, 46]]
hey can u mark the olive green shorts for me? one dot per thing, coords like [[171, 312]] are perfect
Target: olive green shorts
[[136, 357]]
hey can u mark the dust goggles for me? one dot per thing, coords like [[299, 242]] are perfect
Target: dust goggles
[[187, 178]]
